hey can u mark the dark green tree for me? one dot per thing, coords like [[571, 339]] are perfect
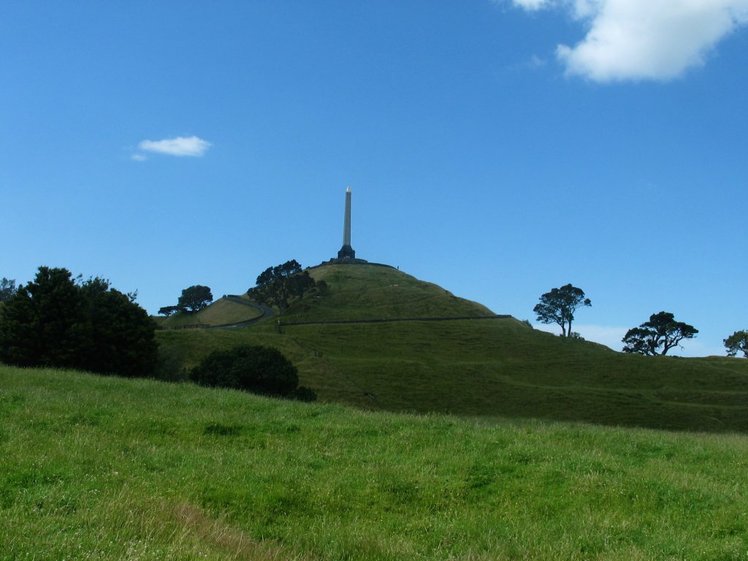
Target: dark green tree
[[57, 321], [658, 335], [281, 284], [737, 342], [255, 369], [559, 305], [118, 337], [7, 289], [40, 324], [195, 298]]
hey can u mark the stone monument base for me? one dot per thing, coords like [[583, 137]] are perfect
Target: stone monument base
[[347, 261], [346, 252]]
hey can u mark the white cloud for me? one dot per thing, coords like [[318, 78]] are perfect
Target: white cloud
[[532, 5], [139, 157], [643, 39], [179, 146]]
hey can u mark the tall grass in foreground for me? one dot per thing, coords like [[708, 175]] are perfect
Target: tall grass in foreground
[[105, 468]]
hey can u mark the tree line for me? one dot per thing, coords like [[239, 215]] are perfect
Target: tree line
[[278, 286], [657, 336], [61, 321]]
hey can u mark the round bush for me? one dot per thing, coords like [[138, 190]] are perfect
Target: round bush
[[255, 369]]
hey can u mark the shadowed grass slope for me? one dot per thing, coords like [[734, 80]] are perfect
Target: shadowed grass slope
[[492, 368], [107, 468]]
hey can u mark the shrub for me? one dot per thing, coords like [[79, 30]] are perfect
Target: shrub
[[255, 369]]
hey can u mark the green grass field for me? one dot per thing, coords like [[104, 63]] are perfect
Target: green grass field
[[481, 367], [106, 468]]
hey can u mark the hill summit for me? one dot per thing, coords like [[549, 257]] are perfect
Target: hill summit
[[378, 292]]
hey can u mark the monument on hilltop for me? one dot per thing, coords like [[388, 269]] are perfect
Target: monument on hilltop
[[347, 254]]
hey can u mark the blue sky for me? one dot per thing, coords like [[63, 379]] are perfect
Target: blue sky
[[496, 148]]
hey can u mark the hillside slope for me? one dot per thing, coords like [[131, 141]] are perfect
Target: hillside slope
[[378, 292], [228, 310], [486, 366]]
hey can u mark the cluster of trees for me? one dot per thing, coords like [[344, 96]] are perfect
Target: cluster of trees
[[656, 336], [280, 285], [275, 286], [60, 321], [192, 300]]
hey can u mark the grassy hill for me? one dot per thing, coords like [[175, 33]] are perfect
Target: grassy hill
[[358, 292], [487, 367], [108, 468], [224, 311]]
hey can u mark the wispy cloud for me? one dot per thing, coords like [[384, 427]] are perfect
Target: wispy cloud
[[536, 62], [179, 146], [532, 5], [643, 39]]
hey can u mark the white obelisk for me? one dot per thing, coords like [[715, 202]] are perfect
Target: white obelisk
[[346, 252], [347, 220]]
